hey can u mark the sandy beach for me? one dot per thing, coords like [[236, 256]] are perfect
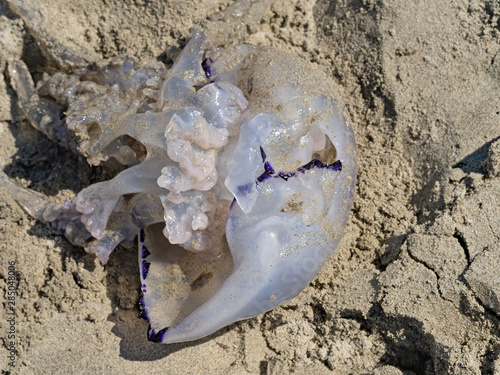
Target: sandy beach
[[413, 288]]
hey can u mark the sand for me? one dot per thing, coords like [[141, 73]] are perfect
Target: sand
[[414, 287]]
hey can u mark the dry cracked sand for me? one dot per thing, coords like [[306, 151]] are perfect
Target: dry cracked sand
[[414, 287]]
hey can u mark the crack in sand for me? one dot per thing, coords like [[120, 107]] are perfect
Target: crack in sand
[[438, 277]]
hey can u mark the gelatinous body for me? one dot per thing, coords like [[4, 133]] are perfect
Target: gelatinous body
[[237, 175]]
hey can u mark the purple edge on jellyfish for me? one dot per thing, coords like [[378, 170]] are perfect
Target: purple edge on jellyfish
[[145, 264], [145, 268], [144, 272], [154, 336], [205, 64], [315, 163]]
